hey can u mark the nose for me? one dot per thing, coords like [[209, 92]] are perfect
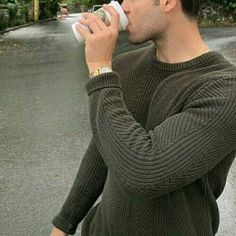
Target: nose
[[125, 7]]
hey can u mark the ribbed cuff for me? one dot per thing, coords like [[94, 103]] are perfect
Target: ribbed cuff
[[65, 226], [105, 80]]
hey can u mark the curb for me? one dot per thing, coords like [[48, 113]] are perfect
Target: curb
[[26, 25]]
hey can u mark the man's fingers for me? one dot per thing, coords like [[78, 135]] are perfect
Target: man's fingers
[[93, 22], [84, 32], [115, 17], [87, 15], [101, 24]]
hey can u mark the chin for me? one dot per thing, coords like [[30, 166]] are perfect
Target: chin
[[137, 38], [137, 41]]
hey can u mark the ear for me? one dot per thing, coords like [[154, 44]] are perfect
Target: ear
[[168, 5]]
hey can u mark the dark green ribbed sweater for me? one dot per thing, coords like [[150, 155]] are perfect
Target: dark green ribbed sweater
[[164, 138]]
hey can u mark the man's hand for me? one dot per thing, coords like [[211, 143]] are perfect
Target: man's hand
[[57, 232], [100, 43]]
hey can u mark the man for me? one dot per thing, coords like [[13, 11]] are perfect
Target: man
[[164, 127]]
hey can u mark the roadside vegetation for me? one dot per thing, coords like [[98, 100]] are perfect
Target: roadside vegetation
[[18, 12], [218, 12]]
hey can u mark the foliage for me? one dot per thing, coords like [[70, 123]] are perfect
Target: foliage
[[48, 8], [86, 3], [3, 15], [3, 2], [230, 4], [3, 22], [90, 3], [18, 12], [227, 2], [21, 2]]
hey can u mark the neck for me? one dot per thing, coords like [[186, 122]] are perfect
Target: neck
[[180, 43]]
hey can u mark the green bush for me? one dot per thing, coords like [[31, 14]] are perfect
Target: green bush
[[217, 12], [12, 11], [230, 4], [4, 15], [13, 14], [48, 14], [18, 13], [3, 23], [3, 2]]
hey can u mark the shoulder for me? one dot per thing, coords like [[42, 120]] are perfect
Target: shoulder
[[224, 86], [215, 96], [220, 75]]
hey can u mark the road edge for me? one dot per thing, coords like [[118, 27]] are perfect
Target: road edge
[[25, 25]]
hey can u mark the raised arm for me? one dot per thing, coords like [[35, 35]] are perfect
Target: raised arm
[[87, 187], [175, 153]]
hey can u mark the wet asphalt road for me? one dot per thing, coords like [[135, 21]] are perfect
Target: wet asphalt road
[[44, 124]]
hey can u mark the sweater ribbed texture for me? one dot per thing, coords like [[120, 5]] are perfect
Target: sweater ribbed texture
[[163, 142]]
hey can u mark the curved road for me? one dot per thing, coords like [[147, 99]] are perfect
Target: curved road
[[44, 124]]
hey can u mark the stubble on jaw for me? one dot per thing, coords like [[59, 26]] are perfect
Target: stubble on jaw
[[151, 36]]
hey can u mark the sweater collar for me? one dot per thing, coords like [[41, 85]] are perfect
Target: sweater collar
[[206, 58]]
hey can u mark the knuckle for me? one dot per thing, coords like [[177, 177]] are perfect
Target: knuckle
[[91, 40], [96, 17], [91, 22], [109, 33], [116, 14]]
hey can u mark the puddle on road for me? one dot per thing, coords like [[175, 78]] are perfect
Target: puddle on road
[[5, 46], [12, 47]]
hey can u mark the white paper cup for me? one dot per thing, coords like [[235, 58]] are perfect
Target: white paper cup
[[78, 36], [106, 17], [123, 19]]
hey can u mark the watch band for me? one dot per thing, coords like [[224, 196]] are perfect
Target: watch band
[[101, 70]]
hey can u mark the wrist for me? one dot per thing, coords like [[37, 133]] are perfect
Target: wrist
[[100, 70], [93, 66]]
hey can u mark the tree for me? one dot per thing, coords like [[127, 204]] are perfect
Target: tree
[[87, 3]]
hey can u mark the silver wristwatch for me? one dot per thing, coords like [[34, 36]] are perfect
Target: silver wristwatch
[[100, 70]]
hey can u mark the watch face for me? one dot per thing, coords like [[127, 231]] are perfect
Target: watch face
[[101, 70], [105, 70]]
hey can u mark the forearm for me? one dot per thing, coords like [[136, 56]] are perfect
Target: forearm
[[180, 150], [87, 187]]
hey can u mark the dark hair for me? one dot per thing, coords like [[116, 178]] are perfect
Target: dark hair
[[191, 7]]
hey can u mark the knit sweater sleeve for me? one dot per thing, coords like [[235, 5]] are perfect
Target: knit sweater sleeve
[[175, 153], [87, 187]]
